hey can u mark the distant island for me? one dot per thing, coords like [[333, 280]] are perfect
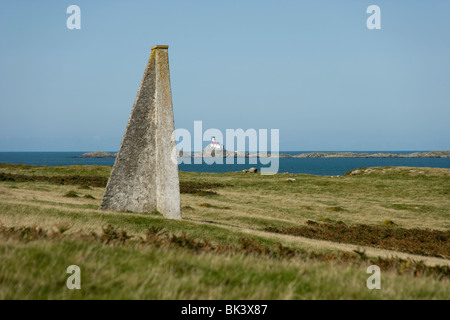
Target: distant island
[[97, 154], [429, 154]]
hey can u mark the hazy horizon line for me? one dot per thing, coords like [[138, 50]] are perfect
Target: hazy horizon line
[[281, 151]]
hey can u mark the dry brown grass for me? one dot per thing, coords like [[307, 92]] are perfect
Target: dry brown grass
[[417, 241]]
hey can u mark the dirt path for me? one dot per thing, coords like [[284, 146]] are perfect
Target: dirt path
[[315, 244]]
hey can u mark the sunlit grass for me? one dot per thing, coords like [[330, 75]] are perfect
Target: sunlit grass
[[223, 208]]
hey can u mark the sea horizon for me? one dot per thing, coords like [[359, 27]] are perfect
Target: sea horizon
[[315, 166], [281, 151]]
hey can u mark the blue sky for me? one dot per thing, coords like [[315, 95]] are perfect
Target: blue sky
[[311, 69]]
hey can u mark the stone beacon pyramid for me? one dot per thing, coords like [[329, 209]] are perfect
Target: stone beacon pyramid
[[144, 177]]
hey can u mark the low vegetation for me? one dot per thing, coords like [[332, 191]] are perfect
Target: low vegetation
[[64, 180], [417, 241], [241, 236]]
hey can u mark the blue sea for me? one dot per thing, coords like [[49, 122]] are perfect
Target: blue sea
[[316, 166]]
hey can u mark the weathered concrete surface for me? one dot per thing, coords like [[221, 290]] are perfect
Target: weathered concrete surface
[[144, 177]]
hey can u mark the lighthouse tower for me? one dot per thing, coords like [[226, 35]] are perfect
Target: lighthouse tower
[[215, 149], [215, 145]]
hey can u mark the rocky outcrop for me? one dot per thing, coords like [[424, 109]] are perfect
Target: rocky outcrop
[[98, 154], [431, 154], [210, 152]]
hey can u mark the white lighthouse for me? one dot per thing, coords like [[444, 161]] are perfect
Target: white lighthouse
[[215, 149], [215, 145]]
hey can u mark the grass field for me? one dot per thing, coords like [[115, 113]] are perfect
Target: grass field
[[242, 236]]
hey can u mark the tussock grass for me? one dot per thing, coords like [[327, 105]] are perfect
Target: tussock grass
[[208, 205], [389, 222], [336, 209], [71, 194]]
